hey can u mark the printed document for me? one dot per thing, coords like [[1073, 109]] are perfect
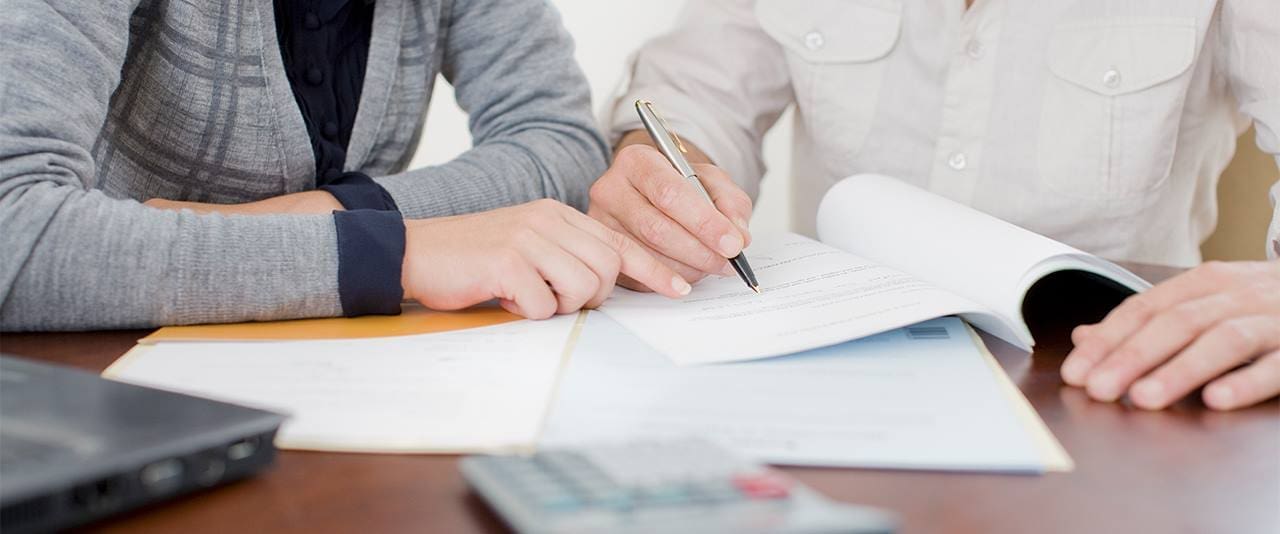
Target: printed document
[[890, 255], [922, 397], [481, 389]]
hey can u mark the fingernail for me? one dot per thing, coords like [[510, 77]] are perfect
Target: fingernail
[[680, 285], [1148, 393], [1103, 386], [730, 245], [1074, 369], [1220, 397]]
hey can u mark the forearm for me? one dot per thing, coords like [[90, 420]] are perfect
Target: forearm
[[76, 260], [306, 202], [530, 165]]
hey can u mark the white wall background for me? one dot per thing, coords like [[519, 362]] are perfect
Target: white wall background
[[606, 33]]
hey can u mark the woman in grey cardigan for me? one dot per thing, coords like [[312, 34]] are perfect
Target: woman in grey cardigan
[[213, 106]]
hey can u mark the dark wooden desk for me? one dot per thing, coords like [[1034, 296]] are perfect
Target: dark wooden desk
[[1186, 469]]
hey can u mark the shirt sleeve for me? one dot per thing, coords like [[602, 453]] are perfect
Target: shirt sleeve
[[72, 258], [370, 255], [356, 191], [512, 68], [1250, 48], [370, 246], [719, 80]]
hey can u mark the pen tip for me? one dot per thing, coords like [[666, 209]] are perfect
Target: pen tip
[[756, 289]]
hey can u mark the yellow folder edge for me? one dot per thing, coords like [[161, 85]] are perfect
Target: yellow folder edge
[[414, 319], [1052, 454]]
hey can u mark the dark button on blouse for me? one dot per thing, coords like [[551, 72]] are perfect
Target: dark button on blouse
[[325, 43], [330, 130], [315, 76]]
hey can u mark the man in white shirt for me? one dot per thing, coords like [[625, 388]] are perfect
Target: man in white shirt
[[1102, 124]]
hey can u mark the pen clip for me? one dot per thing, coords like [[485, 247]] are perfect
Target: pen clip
[[665, 126]]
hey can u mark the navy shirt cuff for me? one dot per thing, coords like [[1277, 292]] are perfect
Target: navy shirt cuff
[[370, 256], [357, 191]]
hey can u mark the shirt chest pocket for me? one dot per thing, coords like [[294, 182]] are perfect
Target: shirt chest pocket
[[1109, 120], [836, 53]]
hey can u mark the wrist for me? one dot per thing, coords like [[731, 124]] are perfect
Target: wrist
[[641, 137], [412, 230]]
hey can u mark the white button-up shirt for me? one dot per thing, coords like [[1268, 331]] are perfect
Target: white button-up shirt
[[1103, 124]]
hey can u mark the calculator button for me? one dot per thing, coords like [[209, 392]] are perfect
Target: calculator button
[[763, 486]]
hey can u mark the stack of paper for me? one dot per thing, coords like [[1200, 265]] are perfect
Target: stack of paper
[[479, 389]]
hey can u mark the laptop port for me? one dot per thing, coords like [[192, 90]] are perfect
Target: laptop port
[[162, 477], [207, 467], [99, 496], [242, 449]]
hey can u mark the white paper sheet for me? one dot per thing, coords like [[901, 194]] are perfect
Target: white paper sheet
[[924, 397], [479, 389], [813, 295]]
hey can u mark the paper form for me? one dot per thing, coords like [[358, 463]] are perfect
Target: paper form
[[953, 246], [812, 295], [478, 389], [922, 397]]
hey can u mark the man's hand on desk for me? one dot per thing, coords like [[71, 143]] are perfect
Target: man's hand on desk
[[537, 259], [1217, 324], [314, 202], [642, 196]]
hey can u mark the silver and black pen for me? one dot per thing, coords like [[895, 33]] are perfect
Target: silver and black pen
[[674, 150]]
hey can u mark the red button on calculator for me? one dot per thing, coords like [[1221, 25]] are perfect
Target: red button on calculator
[[763, 485]]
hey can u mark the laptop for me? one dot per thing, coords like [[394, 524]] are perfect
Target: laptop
[[75, 447]]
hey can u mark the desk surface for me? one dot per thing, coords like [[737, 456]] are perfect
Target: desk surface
[[1186, 469]]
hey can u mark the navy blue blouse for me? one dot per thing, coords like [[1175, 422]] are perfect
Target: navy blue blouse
[[325, 47]]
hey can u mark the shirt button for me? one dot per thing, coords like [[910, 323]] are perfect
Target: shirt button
[[1111, 78], [814, 40], [329, 130], [974, 49], [311, 21], [957, 161], [315, 76]]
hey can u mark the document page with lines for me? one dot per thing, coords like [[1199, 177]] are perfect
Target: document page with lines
[[890, 255]]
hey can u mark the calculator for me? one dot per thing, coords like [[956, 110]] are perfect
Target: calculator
[[680, 485]]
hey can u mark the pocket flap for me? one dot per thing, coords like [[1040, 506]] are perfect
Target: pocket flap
[[1120, 56], [832, 31]]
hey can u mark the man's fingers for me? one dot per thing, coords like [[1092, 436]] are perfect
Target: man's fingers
[[730, 199], [1222, 347], [1255, 383], [680, 200], [659, 233], [1095, 342], [1165, 334], [636, 261]]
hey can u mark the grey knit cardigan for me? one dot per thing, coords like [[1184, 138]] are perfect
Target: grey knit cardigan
[[105, 103]]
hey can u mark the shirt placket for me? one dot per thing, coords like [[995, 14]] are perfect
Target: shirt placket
[[967, 101]]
